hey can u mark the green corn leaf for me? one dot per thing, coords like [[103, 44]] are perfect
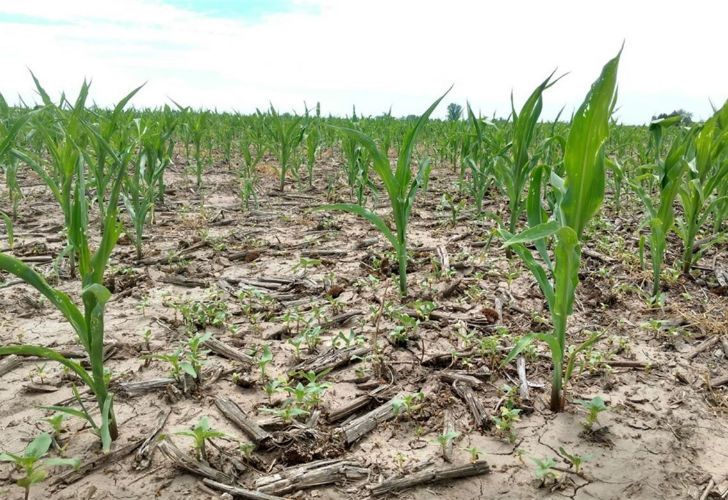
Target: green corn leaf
[[59, 299], [535, 213], [536, 233], [405, 153], [527, 340], [73, 412], [536, 269], [104, 431], [49, 354], [375, 219], [566, 272], [584, 155]]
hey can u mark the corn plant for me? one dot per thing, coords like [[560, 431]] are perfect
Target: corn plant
[[158, 145], [580, 195], [286, 135], [108, 127], [700, 192], [356, 167], [666, 174], [198, 127], [479, 158], [252, 149], [515, 170], [89, 324], [313, 141], [400, 185], [8, 131], [145, 185]]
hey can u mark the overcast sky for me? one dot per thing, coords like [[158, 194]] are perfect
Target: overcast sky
[[239, 55]]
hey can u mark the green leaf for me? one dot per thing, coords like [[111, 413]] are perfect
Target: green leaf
[[63, 462], [104, 431], [536, 269], [49, 354], [566, 278], [73, 413], [527, 340], [535, 212], [59, 299], [584, 155], [375, 219], [538, 232], [405, 153], [188, 369], [39, 446]]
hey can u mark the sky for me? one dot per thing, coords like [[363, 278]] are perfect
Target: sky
[[375, 54]]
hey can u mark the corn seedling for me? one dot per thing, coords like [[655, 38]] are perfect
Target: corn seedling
[[313, 141], [252, 148], [514, 169], [400, 186], [700, 193], [89, 324], [145, 186], [580, 194], [667, 177], [285, 134]]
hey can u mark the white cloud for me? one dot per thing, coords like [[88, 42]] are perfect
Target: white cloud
[[373, 53]]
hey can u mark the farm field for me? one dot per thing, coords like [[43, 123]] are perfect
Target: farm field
[[198, 304]]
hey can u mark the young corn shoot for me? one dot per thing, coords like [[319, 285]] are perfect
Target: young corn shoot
[[700, 192], [401, 187], [668, 174], [515, 171], [286, 134], [580, 195], [88, 323]]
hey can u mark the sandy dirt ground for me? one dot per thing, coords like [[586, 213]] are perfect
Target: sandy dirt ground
[[664, 433]]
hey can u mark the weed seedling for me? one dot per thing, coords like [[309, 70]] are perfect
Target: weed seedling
[[40, 372], [575, 460], [474, 454], [200, 434], [408, 404], [32, 464], [246, 449], [544, 469], [265, 357], [593, 407], [147, 337], [56, 423], [445, 439], [296, 342], [504, 423]]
